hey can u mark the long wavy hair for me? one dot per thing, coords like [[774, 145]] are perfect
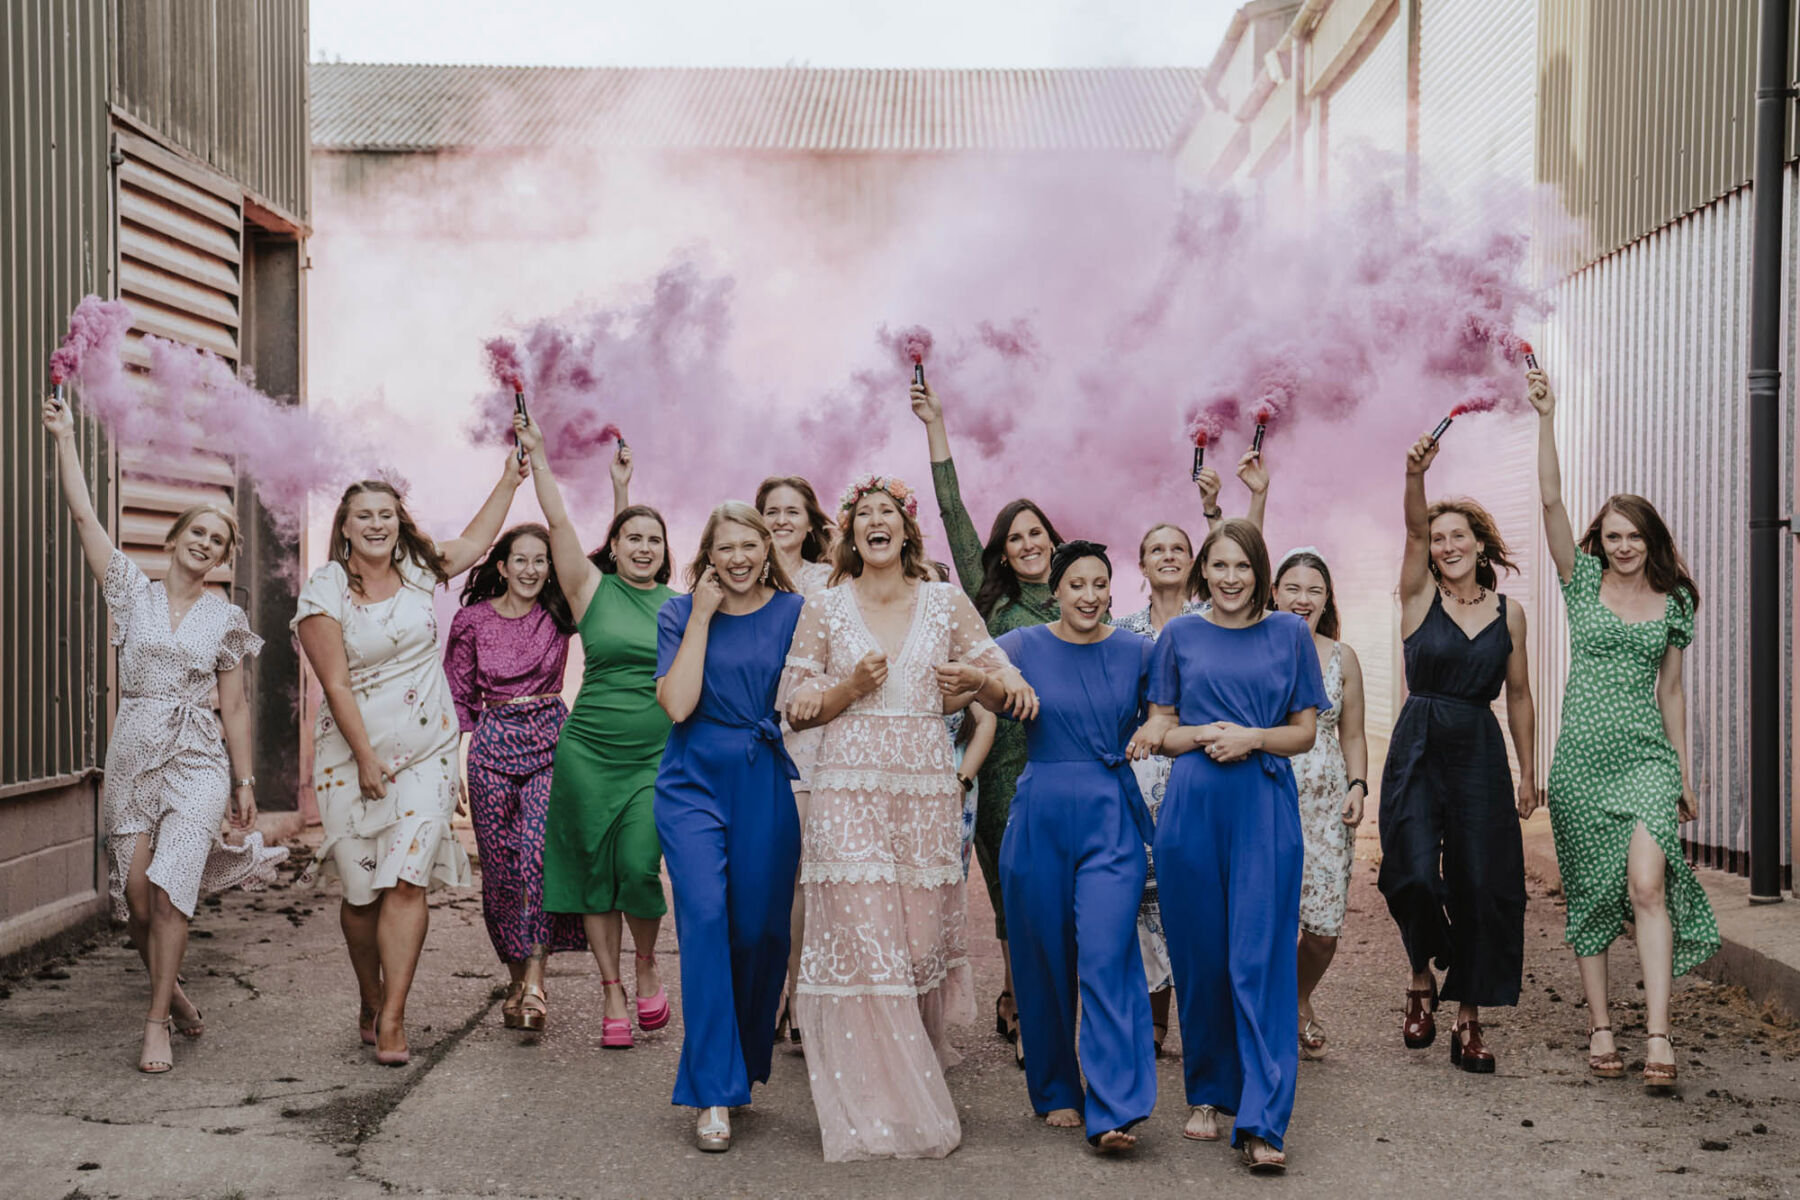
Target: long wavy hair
[[819, 533], [413, 545], [485, 582], [1328, 616], [1486, 531], [999, 582], [1249, 539], [846, 559], [603, 557], [1663, 564], [738, 513]]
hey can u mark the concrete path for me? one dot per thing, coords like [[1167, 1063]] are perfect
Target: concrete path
[[280, 1099]]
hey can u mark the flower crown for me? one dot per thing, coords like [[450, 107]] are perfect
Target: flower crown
[[893, 485]]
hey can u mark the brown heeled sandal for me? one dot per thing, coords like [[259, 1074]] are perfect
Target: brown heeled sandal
[[1659, 1077], [509, 1011], [157, 1066], [534, 1008], [1610, 1065]]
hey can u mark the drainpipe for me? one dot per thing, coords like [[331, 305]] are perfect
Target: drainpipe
[[1773, 94]]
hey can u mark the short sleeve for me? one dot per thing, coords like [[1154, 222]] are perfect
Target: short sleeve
[[460, 667], [238, 641], [124, 587], [1164, 685], [1584, 580], [1681, 620], [326, 593], [969, 640], [671, 627], [1309, 681]]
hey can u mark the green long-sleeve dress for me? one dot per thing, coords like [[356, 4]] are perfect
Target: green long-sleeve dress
[[1615, 769], [999, 775]]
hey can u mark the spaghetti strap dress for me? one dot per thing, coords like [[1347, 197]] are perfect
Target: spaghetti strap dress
[[1452, 860]]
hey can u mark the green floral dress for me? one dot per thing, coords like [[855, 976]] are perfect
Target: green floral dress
[[1615, 769], [999, 775]]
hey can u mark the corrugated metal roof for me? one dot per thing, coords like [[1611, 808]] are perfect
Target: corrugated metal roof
[[375, 106]]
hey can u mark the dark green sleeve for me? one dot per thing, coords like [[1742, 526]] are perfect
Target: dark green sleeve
[[965, 544]]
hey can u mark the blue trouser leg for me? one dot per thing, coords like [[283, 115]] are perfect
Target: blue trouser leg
[[691, 824], [1191, 875], [1118, 1052], [1037, 885], [762, 847], [1263, 898]]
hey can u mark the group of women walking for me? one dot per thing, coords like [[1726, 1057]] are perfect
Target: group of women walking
[[1167, 805]]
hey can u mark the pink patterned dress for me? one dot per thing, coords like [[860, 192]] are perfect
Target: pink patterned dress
[[884, 967]]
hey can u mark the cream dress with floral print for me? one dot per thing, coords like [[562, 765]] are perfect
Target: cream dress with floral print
[[404, 697]]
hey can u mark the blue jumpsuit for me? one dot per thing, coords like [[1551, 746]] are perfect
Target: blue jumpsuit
[[1072, 876], [1228, 861], [731, 837]]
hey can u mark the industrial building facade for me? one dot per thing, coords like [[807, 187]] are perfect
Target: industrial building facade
[[155, 152], [1635, 120]]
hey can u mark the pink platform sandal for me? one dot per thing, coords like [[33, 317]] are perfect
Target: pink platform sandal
[[652, 1011], [615, 1032]]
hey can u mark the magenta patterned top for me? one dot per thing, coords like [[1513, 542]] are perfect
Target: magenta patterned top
[[492, 659]]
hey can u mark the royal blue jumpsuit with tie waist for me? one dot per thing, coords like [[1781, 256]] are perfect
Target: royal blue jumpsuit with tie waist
[[1228, 862], [1072, 876], [731, 837]]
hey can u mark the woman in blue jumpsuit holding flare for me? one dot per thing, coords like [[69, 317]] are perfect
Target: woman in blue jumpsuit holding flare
[[725, 811], [1072, 861], [1242, 686]]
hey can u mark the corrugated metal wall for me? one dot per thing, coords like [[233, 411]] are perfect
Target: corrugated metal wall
[[1477, 90], [1368, 106], [56, 244], [226, 81], [1649, 351], [1646, 110]]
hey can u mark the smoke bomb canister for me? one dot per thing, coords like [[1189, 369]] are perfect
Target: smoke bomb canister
[[1444, 424], [1199, 461], [918, 374], [1256, 440]]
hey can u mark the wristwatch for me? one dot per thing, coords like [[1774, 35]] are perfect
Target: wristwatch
[[1214, 515], [968, 785]]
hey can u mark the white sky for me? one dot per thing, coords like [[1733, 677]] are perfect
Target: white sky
[[773, 33]]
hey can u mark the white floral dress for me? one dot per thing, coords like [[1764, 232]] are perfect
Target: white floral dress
[[1330, 844], [167, 773], [885, 965], [404, 697], [1153, 781], [802, 745]]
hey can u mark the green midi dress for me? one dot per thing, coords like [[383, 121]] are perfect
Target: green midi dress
[[1615, 769], [601, 853]]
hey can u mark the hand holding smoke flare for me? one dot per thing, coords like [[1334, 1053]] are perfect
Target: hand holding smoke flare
[[97, 330], [1531, 362], [507, 369], [915, 344], [1205, 428]]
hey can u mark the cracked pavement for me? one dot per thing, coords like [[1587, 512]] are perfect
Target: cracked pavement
[[279, 1098]]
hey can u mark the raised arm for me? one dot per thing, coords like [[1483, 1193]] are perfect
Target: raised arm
[[96, 546], [1255, 475], [322, 638], [574, 573], [1521, 712], [1415, 564], [965, 543], [1557, 530], [465, 550]]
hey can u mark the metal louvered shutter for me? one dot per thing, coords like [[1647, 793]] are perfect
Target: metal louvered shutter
[[1368, 106], [181, 231]]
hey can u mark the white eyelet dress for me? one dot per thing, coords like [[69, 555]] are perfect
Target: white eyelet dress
[[404, 697], [167, 774]]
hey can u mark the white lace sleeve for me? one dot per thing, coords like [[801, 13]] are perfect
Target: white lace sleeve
[[969, 640], [808, 654]]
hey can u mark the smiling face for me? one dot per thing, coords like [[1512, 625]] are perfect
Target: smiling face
[[1085, 594], [1230, 577], [878, 530], [1454, 549], [639, 550], [372, 525], [789, 522], [1166, 558], [1028, 547], [201, 544], [737, 556], [525, 567], [1302, 591], [1623, 542]]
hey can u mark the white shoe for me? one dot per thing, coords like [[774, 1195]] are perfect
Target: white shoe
[[712, 1132]]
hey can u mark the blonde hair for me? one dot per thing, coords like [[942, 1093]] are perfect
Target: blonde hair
[[210, 508], [738, 513]]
